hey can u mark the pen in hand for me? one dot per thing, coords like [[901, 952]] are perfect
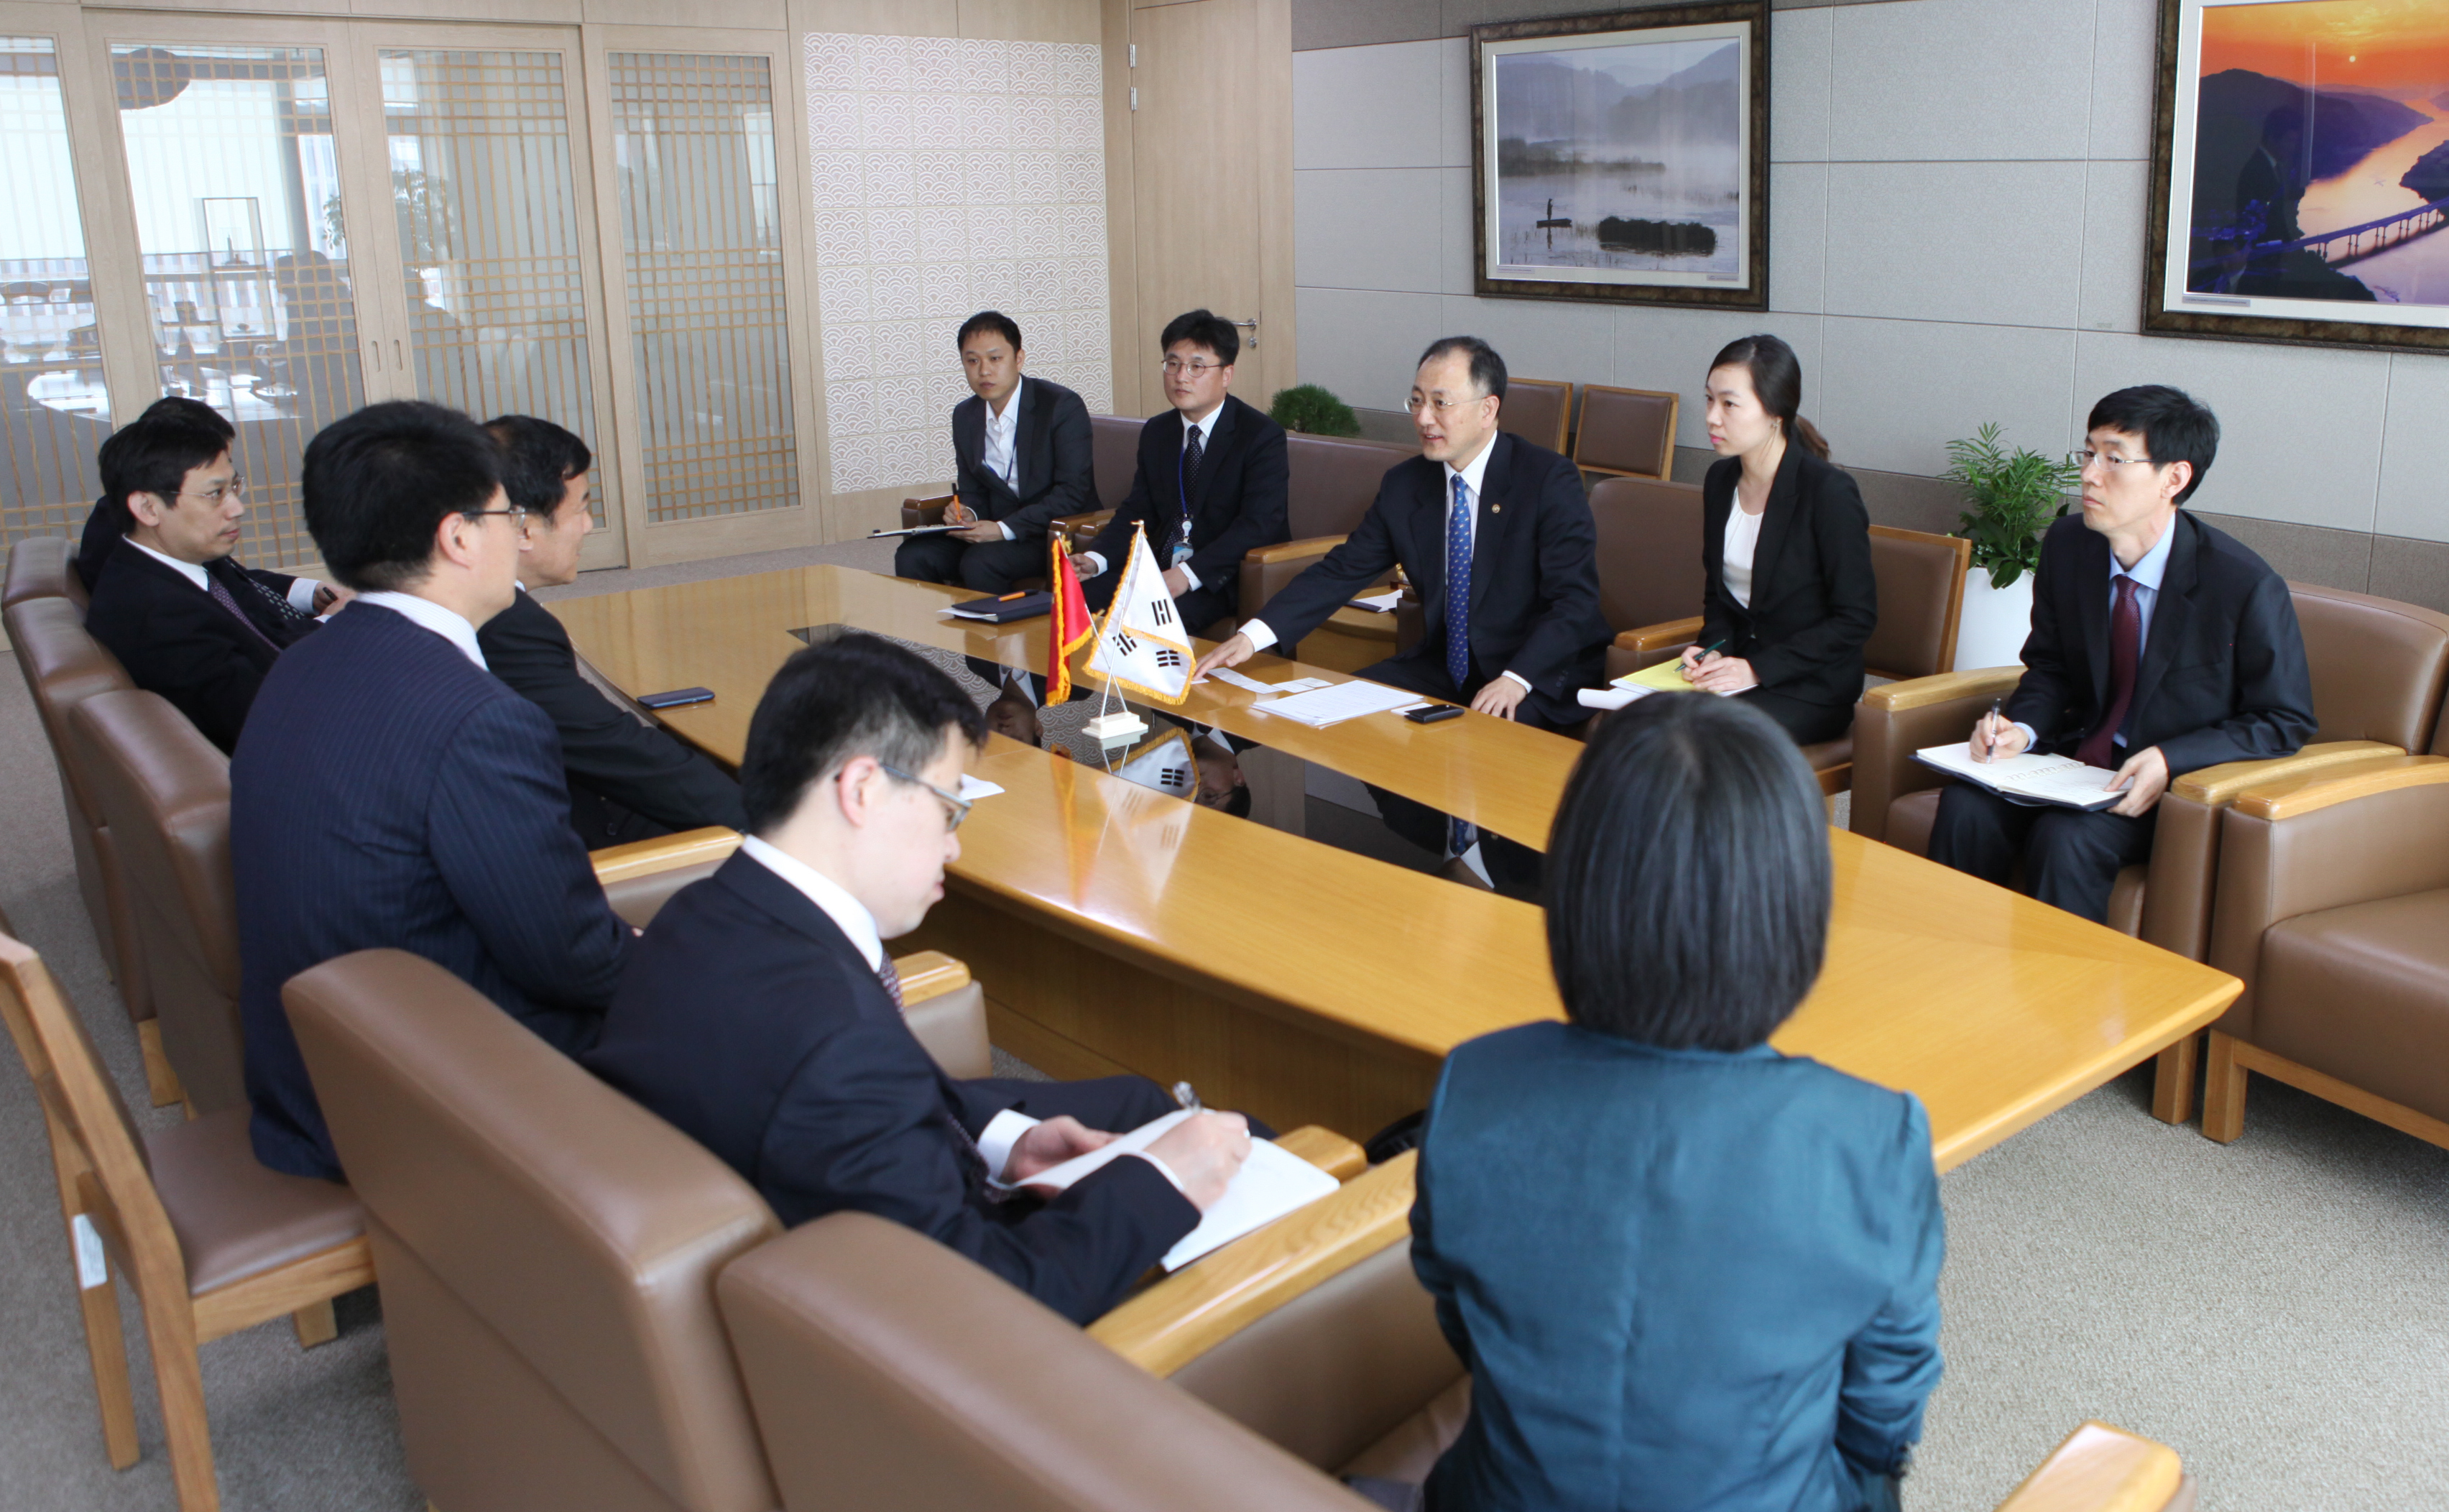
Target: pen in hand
[[1189, 1099], [1703, 655], [1989, 733]]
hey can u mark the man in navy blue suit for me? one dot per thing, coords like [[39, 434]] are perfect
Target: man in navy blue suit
[[388, 789], [762, 1017]]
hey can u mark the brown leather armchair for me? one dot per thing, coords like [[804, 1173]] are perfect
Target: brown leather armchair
[[62, 666], [1629, 432], [164, 790], [2379, 669], [42, 566], [1651, 581], [1333, 481], [1538, 410], [2333, 909]]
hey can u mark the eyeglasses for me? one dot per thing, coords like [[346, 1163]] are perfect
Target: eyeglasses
[[232, 489], [519, 515], [1440, 406], [1174, 365], [956, 807], [2087, 458]]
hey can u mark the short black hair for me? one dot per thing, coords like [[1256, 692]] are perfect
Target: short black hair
[[996, 320], [378, 483], [848, 694], [154, 455], [1203, 328], [1487, 368], [194, 411], [2175, 427], [538, 459], [1687, 877]]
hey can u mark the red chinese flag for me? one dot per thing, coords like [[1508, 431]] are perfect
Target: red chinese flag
[[1070, 626]]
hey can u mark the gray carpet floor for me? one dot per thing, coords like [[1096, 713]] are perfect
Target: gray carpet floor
[[2275, 1309]]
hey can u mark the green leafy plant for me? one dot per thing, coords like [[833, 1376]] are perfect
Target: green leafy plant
[[1307, 407], [2015, 497]]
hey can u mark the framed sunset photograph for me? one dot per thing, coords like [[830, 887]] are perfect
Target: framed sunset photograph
[[1624, 156], [2300, 172]]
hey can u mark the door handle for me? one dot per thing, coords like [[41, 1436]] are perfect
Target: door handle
[[1252, 324], [374, 348]]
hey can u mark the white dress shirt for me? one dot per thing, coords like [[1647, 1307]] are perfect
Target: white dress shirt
[[1001, 450], [2147, 573], [1205, 426], [427, 614], [1470, 473], [301, 590], [1735, 559]]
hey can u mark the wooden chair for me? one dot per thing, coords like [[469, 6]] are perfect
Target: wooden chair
[[213, 1241], [1627, 433], [1540, 411]]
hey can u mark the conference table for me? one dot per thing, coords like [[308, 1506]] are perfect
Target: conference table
[[1119, 929]]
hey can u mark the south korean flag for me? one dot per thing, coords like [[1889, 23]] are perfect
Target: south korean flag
[[1141, 643], [1164, 764]]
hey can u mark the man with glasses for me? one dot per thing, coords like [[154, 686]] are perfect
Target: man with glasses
[[1209, 484], [2159, 646], [389, 791], [168, 598], [1494, 532], [761, 1016]]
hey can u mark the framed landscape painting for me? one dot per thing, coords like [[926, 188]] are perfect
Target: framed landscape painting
[[1624, 156], [2300, 188]]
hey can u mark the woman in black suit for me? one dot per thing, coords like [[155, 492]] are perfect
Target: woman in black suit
[[1787, 550]]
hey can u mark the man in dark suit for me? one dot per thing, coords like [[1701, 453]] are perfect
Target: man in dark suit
[[2159, 646], [1476, 507], [627, 781], [107, 523], [761, 1016], [1021, 457], [390, 792], [1211, 482], [172, 604]]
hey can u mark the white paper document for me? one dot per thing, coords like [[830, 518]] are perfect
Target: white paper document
[[1611, 696], [973, 788], [1337, 702], [1233, 679], [1382, 603], [2060, 779], [1271, 1183]]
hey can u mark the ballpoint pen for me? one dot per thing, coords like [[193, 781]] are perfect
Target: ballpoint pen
[[1697, 660], [1189, 1099], [1990, 732]]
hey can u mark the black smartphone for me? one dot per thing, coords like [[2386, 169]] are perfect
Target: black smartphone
[[1432, 713], [677, 698]]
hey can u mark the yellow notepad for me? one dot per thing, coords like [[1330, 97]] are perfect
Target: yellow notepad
[[1667, 677]]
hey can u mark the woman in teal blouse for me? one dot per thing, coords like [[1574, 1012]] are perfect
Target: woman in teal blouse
[[1685, 1271]]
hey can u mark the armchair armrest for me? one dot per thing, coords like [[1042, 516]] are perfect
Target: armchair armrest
[[917, 511], [1181, 1317], [928, 974], [946, 1010], [1293, 551], [1671, 637], [1897, 719], [1082, 528], [640, 877], [1265, 569], [2098, 1468], [1323, 1148], [2293, 794]]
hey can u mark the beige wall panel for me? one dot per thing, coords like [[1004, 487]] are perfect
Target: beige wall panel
[[529, 13], [877, 18], [1033, 20], [1134, 389], [741, 15], [853, 515]]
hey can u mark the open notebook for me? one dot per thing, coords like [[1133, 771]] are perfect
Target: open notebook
[[2060, 779], [1271, 1183]]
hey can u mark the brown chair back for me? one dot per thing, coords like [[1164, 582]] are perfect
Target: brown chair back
[[1114, 443], [1334, 479], [62, 666], [891, 1375], [1627, 431], [1921, 601], [2379, 667], [1648, 551], [548, 1251], [42, 566], [166, 792], [1538, 410]]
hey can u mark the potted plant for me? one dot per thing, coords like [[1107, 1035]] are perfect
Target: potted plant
[[1309, 408], [2013, 497]]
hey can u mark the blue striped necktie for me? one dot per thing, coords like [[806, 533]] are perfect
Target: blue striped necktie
[[1459, 835]]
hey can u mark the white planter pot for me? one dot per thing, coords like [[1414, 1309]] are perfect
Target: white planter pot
[[1995, 622]]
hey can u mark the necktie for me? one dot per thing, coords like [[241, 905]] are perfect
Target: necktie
[[1460, 836], [891, 980], [222, 596], [1191, 452], [2125, 650]]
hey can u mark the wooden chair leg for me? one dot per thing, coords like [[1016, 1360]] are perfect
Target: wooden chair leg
[[160, 1083], [2224, 1092], [2172, 1081], [316, 1324], [181, 1382], [107, 1346]]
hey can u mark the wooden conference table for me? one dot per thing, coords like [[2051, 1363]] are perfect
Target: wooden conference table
[[1116, 928]]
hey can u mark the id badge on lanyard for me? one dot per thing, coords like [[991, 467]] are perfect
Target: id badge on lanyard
[[1182, 543]]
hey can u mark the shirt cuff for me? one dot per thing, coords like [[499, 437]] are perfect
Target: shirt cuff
[[1261, 637], [302, 595], [1098, 570], [1165, 1168], [1002, 1132], [1520, 678], [2031, 740], [1188, 576], [1006, 529]]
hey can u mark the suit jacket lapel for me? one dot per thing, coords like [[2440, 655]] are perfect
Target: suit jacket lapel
[[1490, 521], [2092, 610], [1429, 543], [1035, 463], [970, 432], [1218, 438], [1776, 521], [2171, 610]]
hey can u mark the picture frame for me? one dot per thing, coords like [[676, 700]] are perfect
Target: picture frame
[[1623, 156], [2280, 210]]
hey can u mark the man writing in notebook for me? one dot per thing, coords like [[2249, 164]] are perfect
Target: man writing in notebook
[[761, 1016], [2159, 646]]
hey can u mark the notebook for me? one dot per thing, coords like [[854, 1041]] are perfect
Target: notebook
[[2060, 779], [1001, 610], [1271, 1183]]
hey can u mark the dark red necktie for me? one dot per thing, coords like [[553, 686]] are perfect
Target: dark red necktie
[[2125, 650], [222, 596]]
